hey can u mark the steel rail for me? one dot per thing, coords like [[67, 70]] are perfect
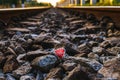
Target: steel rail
[[6, 14], [99, 12]]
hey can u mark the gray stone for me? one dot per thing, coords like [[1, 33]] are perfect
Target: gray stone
[[27, 77], [22, 70], [33, 54], [45, 63], [55, 74], [21, 58], [117, 33], [105, 58], [40, 76], [10, 64], [95, 65], [93, 56], [114, 41], [110, 34], [99, 50], [29, 56], [76, 74], [114, 50], [84, 48], [111, 69], [69, 65], [90, 63], [93, 43], [9, 77], [105, 44], [36, 47], [2, 76], [19, 50], [2, 60]]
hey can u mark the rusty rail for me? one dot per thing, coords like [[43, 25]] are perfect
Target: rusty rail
[[112, 11]]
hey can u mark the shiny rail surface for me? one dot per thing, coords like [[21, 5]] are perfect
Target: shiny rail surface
[[29, 8], [112, 11]]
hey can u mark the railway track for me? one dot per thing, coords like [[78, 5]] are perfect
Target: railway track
[[59, 44], [7, 14], [99, 12]]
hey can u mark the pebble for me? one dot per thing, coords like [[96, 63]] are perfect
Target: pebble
[[45, 63], [22, 70]]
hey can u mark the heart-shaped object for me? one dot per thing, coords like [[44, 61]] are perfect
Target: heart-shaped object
[[60, 52]]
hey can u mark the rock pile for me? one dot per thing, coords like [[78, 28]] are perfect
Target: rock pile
[[57, 45]]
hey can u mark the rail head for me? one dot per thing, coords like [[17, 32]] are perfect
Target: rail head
[[6, 14], [18, 9], [97, 8], [98, 11]]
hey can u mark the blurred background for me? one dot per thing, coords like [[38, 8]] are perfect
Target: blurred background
[[37, 3], [22, 3]]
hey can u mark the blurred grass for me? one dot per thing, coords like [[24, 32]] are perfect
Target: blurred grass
[[105, 3], [101, 4], [5, 4]]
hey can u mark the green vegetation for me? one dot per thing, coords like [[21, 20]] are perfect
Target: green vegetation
[[17, 3], [8, 3], [103, 3], [34, 3], [108, 3], [116, 2]]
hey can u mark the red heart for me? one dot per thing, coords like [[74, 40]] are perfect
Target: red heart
[[60, 52]]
